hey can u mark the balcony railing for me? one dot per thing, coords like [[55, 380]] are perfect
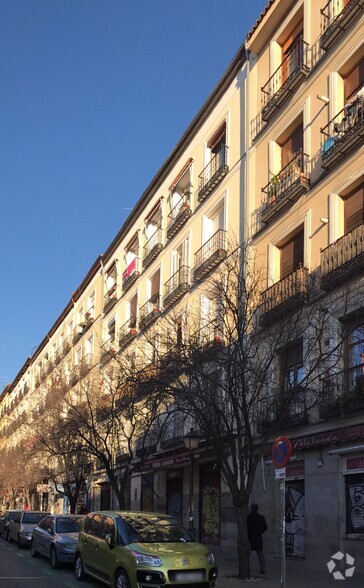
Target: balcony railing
[[77, 333], [177, 286], [66, 346], [127, 332], [74, 375], [88, 320], [152, 247], [336, 18], [58, 356], [179, 214], [342, 259], [213, 173], [284, 296], [85, 365], [110, 298], [286, 187], [342, 392], [131, 274], [287, 409], [108, 350], [150, 311], [343, 134], [210, 254], [285, 80]]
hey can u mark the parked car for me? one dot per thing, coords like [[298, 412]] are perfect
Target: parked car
[[132, 549], [21, 527], [5, 521], [56, 537]]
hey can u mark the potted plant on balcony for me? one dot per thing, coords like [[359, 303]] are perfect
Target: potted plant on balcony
[[273, 186]]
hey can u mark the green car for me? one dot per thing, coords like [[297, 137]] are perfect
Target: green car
[[141, 550]]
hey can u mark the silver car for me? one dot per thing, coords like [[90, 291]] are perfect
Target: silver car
[[21, 527], [56, 537], [5, 522]]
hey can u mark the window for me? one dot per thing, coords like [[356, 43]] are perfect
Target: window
[[133, 309], [292, 145], [69, 328], [292, 366], [111, 278], [217, 146], [154, 286], [355, 359], [89, 345], [354, 81], [111, 329], [292, 51], [180, 190], [79, 315], [90, 311], [292, 253], [78, 356], [108, 528], [354, 209], [213, 222], [95, 525]]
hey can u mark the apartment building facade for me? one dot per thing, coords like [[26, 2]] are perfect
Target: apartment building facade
[[305, 185], [275, 157]]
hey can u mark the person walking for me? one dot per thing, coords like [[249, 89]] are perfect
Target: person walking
[[257, 525]]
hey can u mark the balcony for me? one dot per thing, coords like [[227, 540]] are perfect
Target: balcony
[[127, 333], [58, 356], [152, 247], [177, 286], [179, 215], [213, 173], [85, 365], [286, 187], [88, 321], [342, 393], [287, 409], [74, 375], [108, 351], [131, 274], [284, 296], [77, 334], [150, 311], [343, 134], [110, 298], [210, 254], [335, 20], [343, 259], [66, 345], [285, 80]]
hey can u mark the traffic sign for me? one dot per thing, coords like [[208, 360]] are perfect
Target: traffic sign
[[280, 473], [281, 451]]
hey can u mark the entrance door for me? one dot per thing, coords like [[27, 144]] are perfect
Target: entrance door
[[210, 505], [295, 518], [105, 497], [174, 495]]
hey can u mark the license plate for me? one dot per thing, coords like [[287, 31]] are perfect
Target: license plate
[[189, 577]]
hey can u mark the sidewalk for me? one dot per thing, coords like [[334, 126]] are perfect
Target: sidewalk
[[298, 573]]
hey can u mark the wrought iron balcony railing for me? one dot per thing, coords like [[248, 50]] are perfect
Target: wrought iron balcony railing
[[287, 409], [336, 18], [152, 247], [213, 173], [210, 254], [110, 298], [88, 319], [108, 350], [284, 295], [342, 392], [179, 215], [128, 332], [131, 274], [66, 346], [342, 259], [285, 80], [74, 375], [150, 311], [77, 333], [177, 286], [286, 187], [344, 133]]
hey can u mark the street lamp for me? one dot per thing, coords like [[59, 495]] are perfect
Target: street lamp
[[191, 440]]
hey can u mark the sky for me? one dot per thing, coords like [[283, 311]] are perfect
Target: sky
[[94, 95]]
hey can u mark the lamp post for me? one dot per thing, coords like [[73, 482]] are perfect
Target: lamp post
[[191, 440]]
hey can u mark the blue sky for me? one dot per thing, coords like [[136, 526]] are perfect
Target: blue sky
[[94, 94]]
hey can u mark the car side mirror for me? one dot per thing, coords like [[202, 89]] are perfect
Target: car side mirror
[[109, 540]]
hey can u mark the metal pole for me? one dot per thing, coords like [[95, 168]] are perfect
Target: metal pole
[[191, 525], [283, 535]]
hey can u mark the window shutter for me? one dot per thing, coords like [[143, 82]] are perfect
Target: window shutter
[[155, 283], [354, 210], [354, 80], [292, 255], [292, 146]]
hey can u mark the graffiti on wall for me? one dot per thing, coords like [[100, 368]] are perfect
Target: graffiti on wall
[[355, 503], [295, 518]]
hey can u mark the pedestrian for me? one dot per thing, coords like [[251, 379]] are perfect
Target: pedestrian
[[256, 527]]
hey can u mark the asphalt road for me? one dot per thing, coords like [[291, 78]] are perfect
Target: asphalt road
[[18, 569]]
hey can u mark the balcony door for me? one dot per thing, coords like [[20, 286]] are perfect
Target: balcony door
[[292, 146], [354, 209], [292, 52], [292, 254]]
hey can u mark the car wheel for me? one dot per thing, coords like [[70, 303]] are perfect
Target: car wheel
[[33, 551], [54, 558], [20, 545], [122, 580], [79, 570]]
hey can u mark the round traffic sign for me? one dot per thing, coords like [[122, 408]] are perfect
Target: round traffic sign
[[281, 451]]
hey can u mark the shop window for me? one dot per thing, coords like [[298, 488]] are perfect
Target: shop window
[[354, 495], [291, 254]]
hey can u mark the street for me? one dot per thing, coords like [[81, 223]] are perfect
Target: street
[[18, 569]]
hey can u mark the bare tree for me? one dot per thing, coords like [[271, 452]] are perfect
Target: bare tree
[[246, 366]]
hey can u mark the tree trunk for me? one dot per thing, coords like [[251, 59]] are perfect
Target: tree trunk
[[243, 549]]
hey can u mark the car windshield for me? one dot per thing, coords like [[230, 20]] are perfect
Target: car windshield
[[32, 518], [155, 529], [68, 525]]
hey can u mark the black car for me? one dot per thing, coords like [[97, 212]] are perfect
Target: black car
[[4, 522]]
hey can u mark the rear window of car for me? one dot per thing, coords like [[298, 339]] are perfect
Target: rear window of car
[[153, 529], [68, 525], [11, 516], [32, 518]]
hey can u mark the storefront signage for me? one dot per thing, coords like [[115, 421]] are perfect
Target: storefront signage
[[329, 438], [175, 460], [355, 463]]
